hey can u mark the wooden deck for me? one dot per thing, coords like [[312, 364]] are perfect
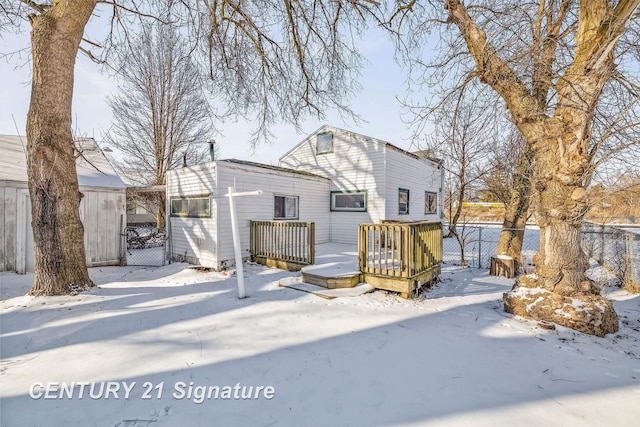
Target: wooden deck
[[395, 256], [336, 267], [283, 244], [400, 257]]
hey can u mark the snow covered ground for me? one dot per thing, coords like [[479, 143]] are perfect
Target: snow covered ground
[[452, 357]]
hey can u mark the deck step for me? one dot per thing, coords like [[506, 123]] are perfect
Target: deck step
[[333, 275], [297, 284]]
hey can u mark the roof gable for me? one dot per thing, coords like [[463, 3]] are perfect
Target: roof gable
[[361, 137]]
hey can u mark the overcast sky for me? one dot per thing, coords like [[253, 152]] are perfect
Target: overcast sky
[[382, 81]]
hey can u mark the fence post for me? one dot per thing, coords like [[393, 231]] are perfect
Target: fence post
[[479, 247], [631, 274]]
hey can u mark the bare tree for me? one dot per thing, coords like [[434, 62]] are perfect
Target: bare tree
[[556, 65], [278, 59], [462, 139], [161, 116], [509, 180]]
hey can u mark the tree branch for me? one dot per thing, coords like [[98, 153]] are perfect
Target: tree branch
[[42, 8], [490, 68], [608, 33]]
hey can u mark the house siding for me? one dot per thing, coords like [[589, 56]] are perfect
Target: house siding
[[313, 203], [356, 163], [209, 241], [194, 240], [415, 175]]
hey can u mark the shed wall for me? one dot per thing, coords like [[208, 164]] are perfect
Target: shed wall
[[101, 210], [9, 235]]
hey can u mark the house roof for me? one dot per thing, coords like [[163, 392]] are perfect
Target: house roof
[[93, 168], [271, 167], [416, 155]]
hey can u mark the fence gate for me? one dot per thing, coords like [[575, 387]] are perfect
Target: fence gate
[[145, 246]]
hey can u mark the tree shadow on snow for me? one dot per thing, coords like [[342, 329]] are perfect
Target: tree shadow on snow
[[468, 359]]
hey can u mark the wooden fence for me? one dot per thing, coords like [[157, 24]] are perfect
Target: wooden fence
[[283, 244], [398, 256]]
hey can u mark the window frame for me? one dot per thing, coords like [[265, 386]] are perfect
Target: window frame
[[321, 134], [206, 197], [407, 192], [332, 203], [426, 204], [285, 197]]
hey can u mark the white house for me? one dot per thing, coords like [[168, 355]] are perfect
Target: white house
[[200, 219], [102, 209], [334, 178], [371, 180]]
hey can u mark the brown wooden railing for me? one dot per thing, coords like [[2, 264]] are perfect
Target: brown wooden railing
[[284, 241], [399, 250]]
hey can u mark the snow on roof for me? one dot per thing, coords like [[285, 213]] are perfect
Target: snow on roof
[[94, 169]]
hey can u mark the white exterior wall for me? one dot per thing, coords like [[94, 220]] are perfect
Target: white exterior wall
[[194, 240], [209, 241], [415, 175], [13, 235], [101, 212], [313, 202], [356, 163]]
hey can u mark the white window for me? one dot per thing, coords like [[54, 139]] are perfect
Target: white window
[[403, 201], [324, 143], [191, 207], [349, 201], [285, 207], [430, 202]]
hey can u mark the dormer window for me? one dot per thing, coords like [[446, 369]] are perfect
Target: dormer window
[[324, 143]]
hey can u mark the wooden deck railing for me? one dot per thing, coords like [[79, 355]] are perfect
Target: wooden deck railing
[[281, 243], [399, 250]]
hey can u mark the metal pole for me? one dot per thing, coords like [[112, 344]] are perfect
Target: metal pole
[[212, 150], [236, 243]]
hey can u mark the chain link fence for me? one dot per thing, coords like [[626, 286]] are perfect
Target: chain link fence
[[615, 248], [145, 246], [481, 242]]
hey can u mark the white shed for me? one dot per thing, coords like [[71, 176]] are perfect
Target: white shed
[[102, 209], [200, 221], [371, 180]]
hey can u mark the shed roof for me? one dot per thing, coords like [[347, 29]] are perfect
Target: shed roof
[[94, 169]]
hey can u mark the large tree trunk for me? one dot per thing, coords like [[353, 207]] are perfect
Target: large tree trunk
[[160, 213], [60, 264], [517, 212], [559, 291]]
